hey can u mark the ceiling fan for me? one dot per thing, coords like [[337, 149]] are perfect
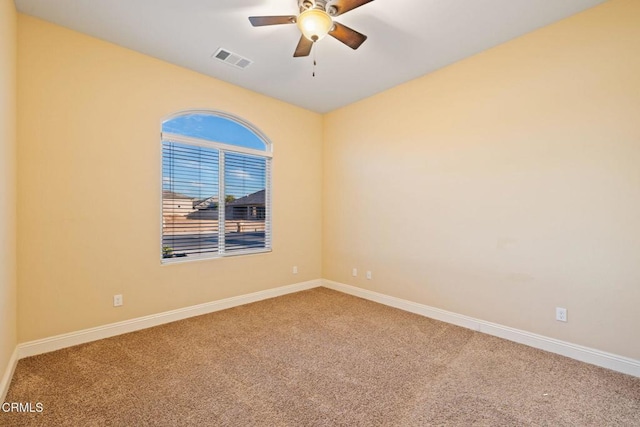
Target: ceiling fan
[[315, 21]]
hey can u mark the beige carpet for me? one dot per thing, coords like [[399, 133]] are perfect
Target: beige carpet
[[316, 358]]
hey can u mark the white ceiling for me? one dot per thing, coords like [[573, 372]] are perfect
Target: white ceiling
[[407, 39]]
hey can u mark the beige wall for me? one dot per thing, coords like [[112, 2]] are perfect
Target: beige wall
[[8, 110], [88, 127], [502, 186]]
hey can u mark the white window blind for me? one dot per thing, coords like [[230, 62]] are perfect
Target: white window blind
[[246, 216]]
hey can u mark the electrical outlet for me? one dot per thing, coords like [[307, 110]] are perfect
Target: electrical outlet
[[369, 275], [295, 269], [561, 314], [117, 300], [354, 272]]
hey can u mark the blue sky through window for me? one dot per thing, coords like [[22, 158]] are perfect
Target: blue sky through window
[[189, 170], [244, 174], [214, 128]]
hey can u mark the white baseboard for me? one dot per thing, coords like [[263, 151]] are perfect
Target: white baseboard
[[58, 342], [584, 354], [8, 375], [578, 352]]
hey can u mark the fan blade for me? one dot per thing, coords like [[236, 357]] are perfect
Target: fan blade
[[344, 6], [259, 21], [304, 47], [346, 35]]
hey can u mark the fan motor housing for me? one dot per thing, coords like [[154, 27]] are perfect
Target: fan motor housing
[[315, 4]]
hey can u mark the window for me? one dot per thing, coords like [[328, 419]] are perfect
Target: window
[[216, 175]]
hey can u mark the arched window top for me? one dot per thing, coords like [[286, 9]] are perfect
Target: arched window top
[[216, 127]]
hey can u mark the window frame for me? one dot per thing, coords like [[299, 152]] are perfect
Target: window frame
[[222, 148]]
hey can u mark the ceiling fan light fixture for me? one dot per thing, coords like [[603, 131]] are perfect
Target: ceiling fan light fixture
[[314, 24]]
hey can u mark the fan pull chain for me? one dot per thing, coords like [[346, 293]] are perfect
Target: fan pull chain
[[314, 63]]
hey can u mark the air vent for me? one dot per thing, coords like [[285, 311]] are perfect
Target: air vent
[[231, 58]]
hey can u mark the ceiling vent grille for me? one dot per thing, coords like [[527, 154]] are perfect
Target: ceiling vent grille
[[231, 58]]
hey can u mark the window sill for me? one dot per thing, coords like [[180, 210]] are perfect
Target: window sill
[[180, 260]]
